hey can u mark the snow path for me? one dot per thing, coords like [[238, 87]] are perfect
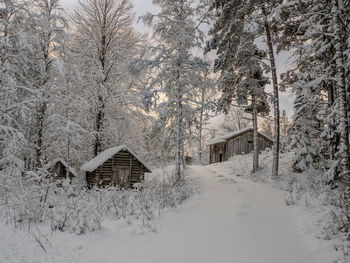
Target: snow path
[[231, 220]]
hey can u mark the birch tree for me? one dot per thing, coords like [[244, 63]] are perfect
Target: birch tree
[[176, 34]]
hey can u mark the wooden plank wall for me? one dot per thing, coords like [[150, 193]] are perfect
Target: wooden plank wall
[[103, 174], [237, 146]]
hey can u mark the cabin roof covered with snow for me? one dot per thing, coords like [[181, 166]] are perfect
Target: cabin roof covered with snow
[[104, 156], [233, 134], [60, 160]]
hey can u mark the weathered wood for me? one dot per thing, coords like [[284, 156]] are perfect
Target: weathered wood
[[237, 145], [103, 175]]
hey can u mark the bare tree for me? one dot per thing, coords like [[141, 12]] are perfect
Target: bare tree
[[236, 119]]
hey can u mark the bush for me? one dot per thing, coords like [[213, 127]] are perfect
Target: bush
[[78, 210]]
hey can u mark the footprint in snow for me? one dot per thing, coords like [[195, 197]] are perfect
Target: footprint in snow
[[227, 181], [243, 213]]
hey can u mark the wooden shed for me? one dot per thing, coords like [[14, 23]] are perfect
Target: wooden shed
[[118, 166], [60, 169], [236, 143]]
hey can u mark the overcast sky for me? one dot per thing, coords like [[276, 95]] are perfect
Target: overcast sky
[[140, 6], [143, 6]]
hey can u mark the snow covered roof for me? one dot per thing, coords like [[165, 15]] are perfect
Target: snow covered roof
[[70, 169], [94, 163], [233, 134]]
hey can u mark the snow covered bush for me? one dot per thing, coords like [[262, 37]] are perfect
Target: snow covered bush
[[24, 197], [76, 209]]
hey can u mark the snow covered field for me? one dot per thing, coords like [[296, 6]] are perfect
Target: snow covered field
[[231, 220]]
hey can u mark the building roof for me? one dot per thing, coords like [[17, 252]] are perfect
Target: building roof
[[60, 160], [231, 135], [104, 156]]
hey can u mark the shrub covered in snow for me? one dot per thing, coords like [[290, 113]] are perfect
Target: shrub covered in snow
[[73, 208]]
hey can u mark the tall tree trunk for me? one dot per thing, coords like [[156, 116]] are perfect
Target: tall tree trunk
[[343, 153], [201, 126], [41, 114], [102, 58], [179, 137], [334, 142], [98, 125], [276, 143], [255, 138]]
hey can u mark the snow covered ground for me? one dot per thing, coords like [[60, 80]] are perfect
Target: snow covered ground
[[230, 220]]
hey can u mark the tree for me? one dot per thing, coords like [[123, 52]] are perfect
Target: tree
[[232, 20], [267, 126], [306, 138], [177, 71], [276, 142], [204, 95], [104, 45], [66, 127], [48, 26], [240, 61], [284, 124], [235, 119], [16, 90]]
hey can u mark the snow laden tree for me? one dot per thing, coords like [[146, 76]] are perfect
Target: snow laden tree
[[245, 84], [306, 138], [66, 127], [48, 26], [103, 44], [177, 72], [317, 32], [204, 94], [16, 90], [230, 20]]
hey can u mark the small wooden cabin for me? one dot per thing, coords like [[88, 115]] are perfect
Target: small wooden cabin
[[60, 169], [236, 143], [117, 166]]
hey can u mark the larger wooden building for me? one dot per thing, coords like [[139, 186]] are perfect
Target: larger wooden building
[[118, 166], [236, 143]]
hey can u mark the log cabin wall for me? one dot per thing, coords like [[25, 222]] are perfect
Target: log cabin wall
[[241, 144], [102, 176]]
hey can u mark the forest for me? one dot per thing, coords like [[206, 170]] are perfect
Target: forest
[[75, 83]]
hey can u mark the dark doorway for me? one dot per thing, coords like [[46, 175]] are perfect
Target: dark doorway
[[220, 157]]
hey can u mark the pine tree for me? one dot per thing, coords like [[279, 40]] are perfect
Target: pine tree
[[232, 20], [239, 61]]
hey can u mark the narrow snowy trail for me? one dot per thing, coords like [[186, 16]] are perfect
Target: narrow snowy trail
[[231, 220]]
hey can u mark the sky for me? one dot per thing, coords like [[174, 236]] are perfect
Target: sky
[[140, 6], [143, 6]]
